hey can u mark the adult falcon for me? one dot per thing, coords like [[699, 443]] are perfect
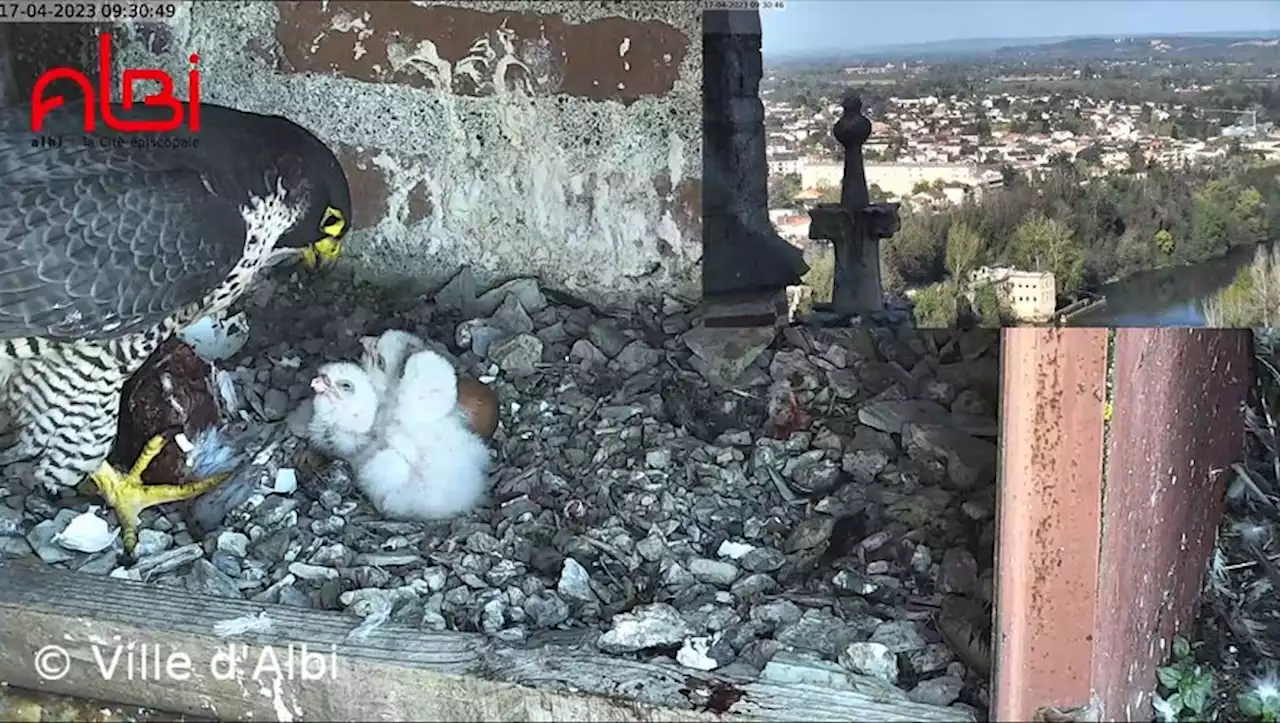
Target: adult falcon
[[109, 243]]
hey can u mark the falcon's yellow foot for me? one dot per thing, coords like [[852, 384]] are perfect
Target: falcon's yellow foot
[[129, 496], [321, 253]]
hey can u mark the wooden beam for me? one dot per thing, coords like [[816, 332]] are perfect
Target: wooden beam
[[395, 673]]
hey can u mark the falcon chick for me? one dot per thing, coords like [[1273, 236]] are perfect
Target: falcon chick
[[384, 357], [418, 459], [109, 247]]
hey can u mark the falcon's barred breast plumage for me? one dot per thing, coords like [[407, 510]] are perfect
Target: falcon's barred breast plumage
[[110, 242]]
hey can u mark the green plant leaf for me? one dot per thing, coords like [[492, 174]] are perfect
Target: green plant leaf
[[1181, 648], [1169, 676], [1175, 703], [1197, 691]]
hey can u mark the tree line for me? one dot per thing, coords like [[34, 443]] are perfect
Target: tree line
[[1088, 231]]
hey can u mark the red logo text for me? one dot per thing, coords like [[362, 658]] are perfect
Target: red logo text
[[100, 98]]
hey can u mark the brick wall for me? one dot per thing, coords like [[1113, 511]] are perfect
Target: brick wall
[[556, 139]]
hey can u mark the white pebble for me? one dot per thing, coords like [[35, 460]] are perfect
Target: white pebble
[[694, 654], [734, 550], [87, 533], [286, 481]]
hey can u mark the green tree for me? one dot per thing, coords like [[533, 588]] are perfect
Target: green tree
[[935, 306], [1044, 244], [782, 192], [1137, 159], [964, 249], [1091, 155], [828, 194], [1164, 242], [821, 258], [986, 302], [921, 187], [1210, 226], [1250, 214], [1008, 176]]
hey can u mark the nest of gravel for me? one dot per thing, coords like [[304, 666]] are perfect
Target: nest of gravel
[[733, 500]]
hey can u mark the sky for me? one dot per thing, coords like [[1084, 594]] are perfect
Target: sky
[[854, 24]]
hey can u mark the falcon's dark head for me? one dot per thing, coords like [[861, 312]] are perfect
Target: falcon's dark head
[[320, 231], [308, 163]]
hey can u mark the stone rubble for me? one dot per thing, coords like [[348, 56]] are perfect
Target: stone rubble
[[790, 504]]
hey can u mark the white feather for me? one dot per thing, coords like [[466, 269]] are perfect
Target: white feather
[[385, 355], [342, 426], [217, 338]]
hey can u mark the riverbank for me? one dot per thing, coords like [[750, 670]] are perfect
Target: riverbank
[[1173, 295], [1087, 302]]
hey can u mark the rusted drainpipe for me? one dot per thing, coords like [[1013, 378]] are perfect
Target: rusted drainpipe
[[1101, 555]]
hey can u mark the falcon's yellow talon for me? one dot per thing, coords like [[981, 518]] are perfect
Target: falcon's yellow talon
[[129, 496], [149, 452], [321, 252]]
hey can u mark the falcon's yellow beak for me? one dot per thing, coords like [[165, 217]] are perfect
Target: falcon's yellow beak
[[324, 251]]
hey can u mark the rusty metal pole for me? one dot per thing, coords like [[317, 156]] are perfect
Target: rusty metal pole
[[1098, 568], [1049, 512]]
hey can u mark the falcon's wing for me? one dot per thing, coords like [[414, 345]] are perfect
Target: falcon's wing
[[28, 158], [108, 248]]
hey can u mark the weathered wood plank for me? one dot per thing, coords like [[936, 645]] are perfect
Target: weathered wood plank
[[29, 706], [395, 673]]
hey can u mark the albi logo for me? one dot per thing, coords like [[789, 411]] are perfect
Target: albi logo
[[98, 101]]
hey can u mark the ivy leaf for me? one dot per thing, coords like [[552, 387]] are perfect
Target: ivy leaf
[[1197, 692], [1169, 677], [1181, 648]]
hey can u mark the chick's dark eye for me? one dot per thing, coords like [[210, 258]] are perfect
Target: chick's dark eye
[[345, 386]]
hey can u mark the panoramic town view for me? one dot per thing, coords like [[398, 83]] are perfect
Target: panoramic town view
[[1088, 180]]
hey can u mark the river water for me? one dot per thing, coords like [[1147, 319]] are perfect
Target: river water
[[1165, 297]]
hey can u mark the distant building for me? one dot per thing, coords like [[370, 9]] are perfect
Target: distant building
[[785, 164], [794, 228], [900, 179], [1029, 296]]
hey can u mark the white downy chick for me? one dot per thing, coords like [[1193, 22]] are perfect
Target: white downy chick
[[385, 355], [433, 466], [344, 410]]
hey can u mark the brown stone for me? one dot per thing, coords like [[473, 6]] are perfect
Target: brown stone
[[583, 60], [480, 403]]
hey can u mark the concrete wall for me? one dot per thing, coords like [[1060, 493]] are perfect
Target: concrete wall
[[555, 139]]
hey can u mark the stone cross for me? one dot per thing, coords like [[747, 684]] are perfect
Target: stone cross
[[854, 226]]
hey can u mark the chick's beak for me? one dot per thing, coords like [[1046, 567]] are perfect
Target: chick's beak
[[321, 253], [370, 346], [320, 384]]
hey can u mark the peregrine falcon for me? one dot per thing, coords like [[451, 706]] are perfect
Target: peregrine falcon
[[110, 242]]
